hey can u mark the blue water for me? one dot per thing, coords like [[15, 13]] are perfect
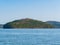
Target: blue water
[[29, 36]]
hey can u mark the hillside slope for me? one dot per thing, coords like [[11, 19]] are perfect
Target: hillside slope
[[27, 23], [54, 23]]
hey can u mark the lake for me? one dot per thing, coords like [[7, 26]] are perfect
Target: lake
[[29, 36]]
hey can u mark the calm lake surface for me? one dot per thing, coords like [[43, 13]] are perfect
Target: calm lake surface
[[29, 36]]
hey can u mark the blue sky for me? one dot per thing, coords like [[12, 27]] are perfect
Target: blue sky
[[36, 9]]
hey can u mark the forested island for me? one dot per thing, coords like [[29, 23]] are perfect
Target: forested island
[[30, 23], [27, 23]]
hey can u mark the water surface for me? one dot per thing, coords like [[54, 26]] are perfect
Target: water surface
[[29, 36]]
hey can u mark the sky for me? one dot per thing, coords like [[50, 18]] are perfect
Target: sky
[[43, 10]]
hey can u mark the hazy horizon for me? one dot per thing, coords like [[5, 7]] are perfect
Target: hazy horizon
[[44, 10]]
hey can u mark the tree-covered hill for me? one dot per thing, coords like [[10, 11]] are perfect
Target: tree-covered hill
[[27, 23], [54, 23]]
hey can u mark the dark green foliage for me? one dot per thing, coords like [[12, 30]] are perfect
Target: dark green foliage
[[8, 25], [27, 23]]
